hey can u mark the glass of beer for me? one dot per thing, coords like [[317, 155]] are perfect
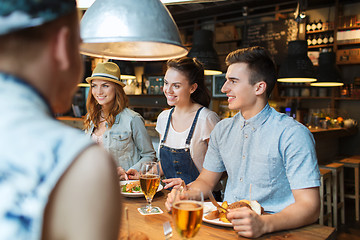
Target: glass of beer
[[187, 211], [149, 181]]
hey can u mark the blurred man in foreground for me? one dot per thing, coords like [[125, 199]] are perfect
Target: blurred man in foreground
[[54, 182]]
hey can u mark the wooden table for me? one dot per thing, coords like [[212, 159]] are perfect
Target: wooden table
[[152, 225]]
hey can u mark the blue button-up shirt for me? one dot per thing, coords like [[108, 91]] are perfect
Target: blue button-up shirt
[[271, 151], [36, 149]]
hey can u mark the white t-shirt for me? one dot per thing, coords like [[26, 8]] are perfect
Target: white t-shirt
[[198, 146]]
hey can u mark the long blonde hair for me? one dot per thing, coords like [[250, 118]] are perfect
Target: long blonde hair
[[94, 108]]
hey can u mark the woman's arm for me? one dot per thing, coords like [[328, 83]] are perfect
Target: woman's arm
[[142, 142]]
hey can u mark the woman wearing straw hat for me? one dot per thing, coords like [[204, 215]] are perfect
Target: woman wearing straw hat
[[110, 123]]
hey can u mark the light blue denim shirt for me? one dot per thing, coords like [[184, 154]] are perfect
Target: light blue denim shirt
[[36, 150], [271, 151], [127, 140]]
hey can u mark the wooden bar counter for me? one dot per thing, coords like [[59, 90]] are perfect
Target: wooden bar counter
[[152, 225], [327, 142]]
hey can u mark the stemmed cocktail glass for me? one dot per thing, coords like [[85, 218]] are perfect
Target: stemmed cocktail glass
[[149, 181]]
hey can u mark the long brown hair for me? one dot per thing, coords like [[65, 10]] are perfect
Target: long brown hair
[[94, 108], [194, 71]]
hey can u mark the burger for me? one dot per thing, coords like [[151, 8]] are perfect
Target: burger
[[253, 205], [221, 214]]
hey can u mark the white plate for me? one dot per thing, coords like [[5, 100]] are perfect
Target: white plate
[[140, 194], [208, 207]]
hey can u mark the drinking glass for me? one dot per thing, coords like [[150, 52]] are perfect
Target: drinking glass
[[187, 211], [149, 181]]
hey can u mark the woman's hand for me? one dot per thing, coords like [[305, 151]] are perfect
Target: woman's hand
[[132, 174], [122, 174], [174, 183], [170, 199]]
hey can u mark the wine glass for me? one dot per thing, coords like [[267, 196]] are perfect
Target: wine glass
[[149, 181], [187, 211]]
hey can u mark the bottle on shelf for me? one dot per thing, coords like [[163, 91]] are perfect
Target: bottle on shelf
[[326, 39], [313, 25], [319, 39], [331, 39], [325, 25], [314, 40], [319, 25], [309, 40], [308, 27]]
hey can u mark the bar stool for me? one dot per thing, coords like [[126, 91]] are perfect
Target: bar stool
[[325, 180], [338, 202], [354, 162]]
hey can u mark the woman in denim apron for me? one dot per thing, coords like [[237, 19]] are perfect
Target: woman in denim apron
[[185, 129], [177, 163]]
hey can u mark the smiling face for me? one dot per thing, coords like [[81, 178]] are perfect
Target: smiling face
[[103, 92], [177, 89], [241, 94]]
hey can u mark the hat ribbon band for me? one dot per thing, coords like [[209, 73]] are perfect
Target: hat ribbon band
[[105, 75]]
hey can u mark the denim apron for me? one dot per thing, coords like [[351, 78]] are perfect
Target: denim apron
[[177, 163]]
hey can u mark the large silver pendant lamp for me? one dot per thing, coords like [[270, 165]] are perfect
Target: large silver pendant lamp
[[328, 74], [297, 66], [141, 30], [204, 51]]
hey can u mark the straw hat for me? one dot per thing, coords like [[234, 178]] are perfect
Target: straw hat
[[108, 71]]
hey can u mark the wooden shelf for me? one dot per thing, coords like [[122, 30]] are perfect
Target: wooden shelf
[[347, 63], [321, 46], [348, 98], [348, 43], [319, 31], [348, 28], [307, 98], [229, 41]]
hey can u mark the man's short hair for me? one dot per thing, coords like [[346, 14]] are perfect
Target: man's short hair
[[26, 44], [17, 15], [260, 64]]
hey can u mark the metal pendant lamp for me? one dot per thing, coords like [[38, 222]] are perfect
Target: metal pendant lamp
[[328, 74], [297, 66], [126, 69], [141, 30], [204, 51]]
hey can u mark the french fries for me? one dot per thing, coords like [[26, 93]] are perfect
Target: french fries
[[212, 215], [221, 214]]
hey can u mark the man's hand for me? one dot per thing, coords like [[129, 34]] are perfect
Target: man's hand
[[305, 210], [246, 222]]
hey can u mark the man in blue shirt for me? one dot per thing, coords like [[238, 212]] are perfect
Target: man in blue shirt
[[262, 148], [55, 183]]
